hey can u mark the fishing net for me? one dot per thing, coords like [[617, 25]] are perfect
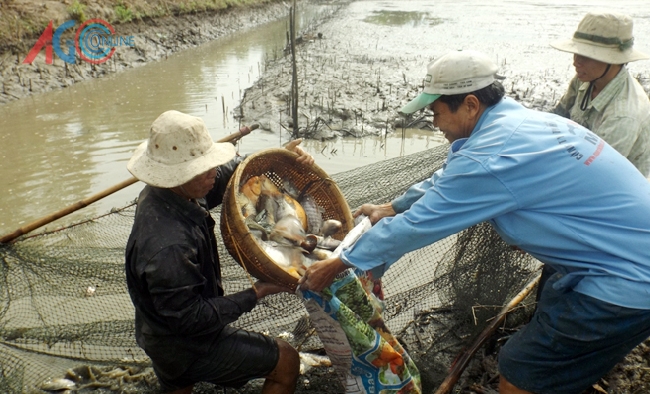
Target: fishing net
[[65, 310]]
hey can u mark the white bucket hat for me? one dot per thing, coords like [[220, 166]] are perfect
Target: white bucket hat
[[454, 73], [603, 36], [178, 149]]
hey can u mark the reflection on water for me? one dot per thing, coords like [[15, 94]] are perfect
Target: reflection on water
[[402, 18], [61, 147], [346, 153]]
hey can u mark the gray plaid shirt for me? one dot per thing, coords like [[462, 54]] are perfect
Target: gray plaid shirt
[[620, 115]]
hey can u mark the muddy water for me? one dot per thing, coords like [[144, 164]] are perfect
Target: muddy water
[[60, 147], [63, 146]]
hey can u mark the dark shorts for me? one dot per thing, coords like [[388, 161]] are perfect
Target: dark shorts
[[236, 357], [571, 342]]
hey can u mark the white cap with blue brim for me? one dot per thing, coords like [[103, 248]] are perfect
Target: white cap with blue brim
[[456, 72]]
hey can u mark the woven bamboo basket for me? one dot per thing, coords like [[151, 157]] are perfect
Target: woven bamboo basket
[[278, 165]]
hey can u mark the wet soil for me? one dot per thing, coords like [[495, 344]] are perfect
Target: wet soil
[[353, 78], [358, 69], [631, 376], [155, 39]]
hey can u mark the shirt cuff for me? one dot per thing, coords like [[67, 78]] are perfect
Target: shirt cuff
[[400, 204], [246, 299]]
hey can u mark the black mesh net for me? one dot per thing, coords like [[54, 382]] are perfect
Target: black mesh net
[[65, 311]]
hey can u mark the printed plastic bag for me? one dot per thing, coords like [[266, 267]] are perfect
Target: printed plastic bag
[[366, 356]]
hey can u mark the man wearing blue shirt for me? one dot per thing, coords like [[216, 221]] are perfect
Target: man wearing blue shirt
[[549, 187]]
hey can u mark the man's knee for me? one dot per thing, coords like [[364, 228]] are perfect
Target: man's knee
[[288, 366], [289, 357], [505, 387]]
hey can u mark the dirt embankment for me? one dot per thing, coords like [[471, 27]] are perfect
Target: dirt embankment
[[158, 27], [352, 83], [349, 87]]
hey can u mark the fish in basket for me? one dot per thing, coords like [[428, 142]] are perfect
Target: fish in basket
[[279, 216]]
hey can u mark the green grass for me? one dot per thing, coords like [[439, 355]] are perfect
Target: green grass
[[123, 13], [76, 11], [21, 23]]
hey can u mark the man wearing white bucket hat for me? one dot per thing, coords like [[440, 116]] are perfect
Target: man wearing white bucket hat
[[603, 96], [173, 274], [549, 187]]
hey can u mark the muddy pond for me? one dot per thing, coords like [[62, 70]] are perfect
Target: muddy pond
[[62, 146]]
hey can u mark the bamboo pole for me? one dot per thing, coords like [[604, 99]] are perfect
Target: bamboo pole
[[98, 196], [294, 70], [458, 368]]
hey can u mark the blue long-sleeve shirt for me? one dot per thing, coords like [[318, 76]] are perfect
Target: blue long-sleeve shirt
[[548, 186]]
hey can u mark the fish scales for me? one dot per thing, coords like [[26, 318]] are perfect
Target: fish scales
[[313, 212]]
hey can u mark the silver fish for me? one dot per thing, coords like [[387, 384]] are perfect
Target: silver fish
[[290, 189], [281, 205], [331, 227], [262, 218], [58, 385], [247, 206], [268, 203], [319, 254], [309, 360], [255, 228], [248, 195], [313, 212], [290, 207], [288, 231], [328, 242], [289, 258]]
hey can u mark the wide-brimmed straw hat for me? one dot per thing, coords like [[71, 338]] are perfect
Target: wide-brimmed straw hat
[[178, 149], [454, 73], [603, 36]]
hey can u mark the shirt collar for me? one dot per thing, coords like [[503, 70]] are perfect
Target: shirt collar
[[194, 210], [481, 119], [456, 145], [608, 92]]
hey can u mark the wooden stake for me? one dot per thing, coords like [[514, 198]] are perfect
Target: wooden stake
[[294, 71], [464, 358], [95, 197]]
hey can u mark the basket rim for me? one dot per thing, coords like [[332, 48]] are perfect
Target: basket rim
[[245, 237], [282, 152]]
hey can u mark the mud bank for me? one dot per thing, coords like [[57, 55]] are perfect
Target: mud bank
[[370, 60], [349, 88], [154, 39], [352, 81]]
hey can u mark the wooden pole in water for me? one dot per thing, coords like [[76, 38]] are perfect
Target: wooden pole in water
[[294, 70], [458, 368], [98, 196]]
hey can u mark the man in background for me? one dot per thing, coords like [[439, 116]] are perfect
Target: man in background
[[603, 96]]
